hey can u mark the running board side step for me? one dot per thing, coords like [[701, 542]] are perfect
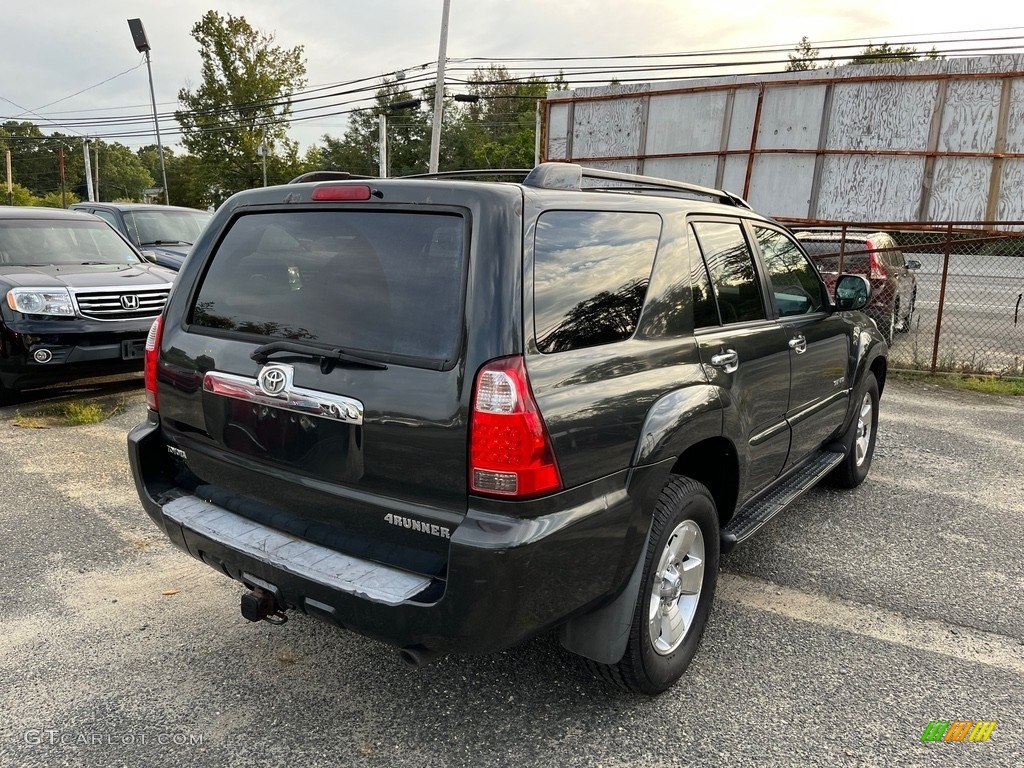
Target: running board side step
[[763, 508]]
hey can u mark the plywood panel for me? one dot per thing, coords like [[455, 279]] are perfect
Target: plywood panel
[[781, 185], [888, 114], [557, 131], [744, 109], [695, 170], [690, 122], [735, 174], [1011, 198], [969, 117], [1015, 124], [959, 189], [791, 117], [870, 188], [608, 128]]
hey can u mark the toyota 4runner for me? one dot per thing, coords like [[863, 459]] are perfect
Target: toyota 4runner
[[450, 413]]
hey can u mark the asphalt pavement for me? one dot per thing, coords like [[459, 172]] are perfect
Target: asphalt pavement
[[840, 631]]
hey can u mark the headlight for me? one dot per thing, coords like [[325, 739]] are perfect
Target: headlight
[[40, 301]]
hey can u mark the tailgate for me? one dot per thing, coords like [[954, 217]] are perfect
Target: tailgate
[[314, 384]]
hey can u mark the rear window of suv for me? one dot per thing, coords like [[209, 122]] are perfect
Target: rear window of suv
[[388, 283], [825, 255]]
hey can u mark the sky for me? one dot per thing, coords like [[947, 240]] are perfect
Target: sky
[[66, 60]]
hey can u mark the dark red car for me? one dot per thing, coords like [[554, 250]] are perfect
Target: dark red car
[[878, 257]]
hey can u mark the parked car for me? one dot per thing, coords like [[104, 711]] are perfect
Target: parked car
[[877, 256], [164, 233], [78, 299], [450, 414]]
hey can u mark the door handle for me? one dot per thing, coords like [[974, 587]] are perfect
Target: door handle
[[798, 344], [727, 360]]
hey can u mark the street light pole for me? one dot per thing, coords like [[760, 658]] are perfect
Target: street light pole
[[382, 135], [142, 46], [442, 54]]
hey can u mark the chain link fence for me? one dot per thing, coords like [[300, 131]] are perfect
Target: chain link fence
[[968, 291]]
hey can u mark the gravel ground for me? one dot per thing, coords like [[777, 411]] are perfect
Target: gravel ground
[[839, 632]]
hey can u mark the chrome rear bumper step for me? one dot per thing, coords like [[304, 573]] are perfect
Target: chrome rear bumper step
[[361, 578]]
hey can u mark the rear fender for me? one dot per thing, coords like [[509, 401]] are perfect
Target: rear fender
[[675, 422]]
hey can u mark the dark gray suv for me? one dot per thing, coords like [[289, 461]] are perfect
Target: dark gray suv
[[451, 413]]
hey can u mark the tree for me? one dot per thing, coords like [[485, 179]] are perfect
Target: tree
[[408, 137], [122, 173], [501, 126], [880, 54], [804, 57], [244, 101]]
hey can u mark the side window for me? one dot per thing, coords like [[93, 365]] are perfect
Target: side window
[[590, 276], [796, 289], [730, 265], [705, 309], [108, 217]]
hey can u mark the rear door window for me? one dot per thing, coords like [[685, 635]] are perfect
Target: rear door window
[[730, 264], [591, 272], [386, 283]]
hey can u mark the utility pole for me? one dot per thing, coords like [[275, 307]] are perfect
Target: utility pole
[[10, 181], [442, 54], [382, 131], [88, 170], [63, 185], [263, 154]]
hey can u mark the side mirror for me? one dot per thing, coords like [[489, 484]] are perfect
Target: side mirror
[[852, 292], [913, 264], [149, 256]]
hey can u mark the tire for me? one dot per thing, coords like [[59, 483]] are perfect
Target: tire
[[860, 438], [887, 324], [905, 326], [676, 593]]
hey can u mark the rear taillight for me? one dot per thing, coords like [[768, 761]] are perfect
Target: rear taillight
[[875, 266], [510, 453], [152, 351]]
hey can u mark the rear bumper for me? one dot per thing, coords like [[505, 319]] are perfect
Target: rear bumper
[[508, 578]]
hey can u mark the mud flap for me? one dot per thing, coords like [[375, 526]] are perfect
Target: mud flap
[[602, 635]]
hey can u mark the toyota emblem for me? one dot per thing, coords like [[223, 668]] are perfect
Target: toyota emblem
[[273, 380], [130, 301]]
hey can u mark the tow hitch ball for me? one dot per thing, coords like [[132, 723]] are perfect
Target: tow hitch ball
[[260, 605]]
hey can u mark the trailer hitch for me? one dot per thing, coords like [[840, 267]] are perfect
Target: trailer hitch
[[260, 605]]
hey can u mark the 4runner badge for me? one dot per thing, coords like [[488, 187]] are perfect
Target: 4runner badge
[[416, 525], [275, 379]]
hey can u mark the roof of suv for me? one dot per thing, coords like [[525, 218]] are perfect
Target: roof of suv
[[133, 207], [36, 212]]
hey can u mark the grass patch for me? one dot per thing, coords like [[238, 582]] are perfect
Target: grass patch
[[72, 413], [989, 385]]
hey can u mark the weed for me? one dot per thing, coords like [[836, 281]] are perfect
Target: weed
[[72, 413]]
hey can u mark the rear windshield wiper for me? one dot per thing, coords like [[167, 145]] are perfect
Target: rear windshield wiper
[[262, 354]]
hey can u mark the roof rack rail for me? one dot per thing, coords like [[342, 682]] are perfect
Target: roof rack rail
[[327, 176], [571, 175]]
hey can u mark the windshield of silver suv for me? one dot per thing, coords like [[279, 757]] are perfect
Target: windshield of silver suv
[[28, 243], [165, 226]]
